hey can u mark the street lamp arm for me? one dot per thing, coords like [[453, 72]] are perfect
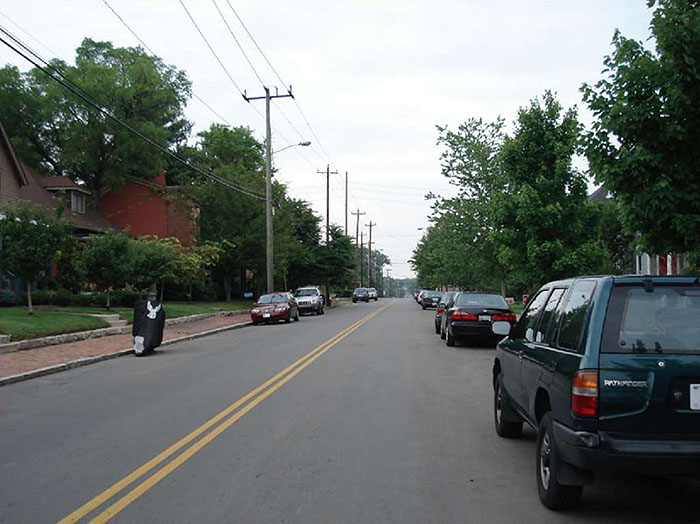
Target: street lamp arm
[[302, 144]]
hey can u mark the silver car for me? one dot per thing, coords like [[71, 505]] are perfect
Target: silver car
[[310, 300]]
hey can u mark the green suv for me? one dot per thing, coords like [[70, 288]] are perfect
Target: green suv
[[607, 369]]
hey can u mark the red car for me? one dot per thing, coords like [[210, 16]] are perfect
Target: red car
[[275, 306]]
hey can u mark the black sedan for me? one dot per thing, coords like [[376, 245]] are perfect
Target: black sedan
[[430, 299], [471, 316]]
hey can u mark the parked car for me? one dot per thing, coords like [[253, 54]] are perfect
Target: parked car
[[607, 369], [310, 300], [419, 295], [274, 306], [472, 314], [444, 299], [430, 299], [443, 317], [360, 293], [373, 295]]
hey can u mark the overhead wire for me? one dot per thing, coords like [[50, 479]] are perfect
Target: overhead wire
[[58, 76], [145, 45], [296, 103]]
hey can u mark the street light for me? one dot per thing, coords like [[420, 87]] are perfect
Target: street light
[[306, 143], [269, 269]]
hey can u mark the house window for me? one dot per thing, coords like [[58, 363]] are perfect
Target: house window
[[77, 202]]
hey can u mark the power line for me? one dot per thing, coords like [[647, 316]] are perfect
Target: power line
[[240, 47], [145, 45], [59, 77], [296, 103], [211, 49]]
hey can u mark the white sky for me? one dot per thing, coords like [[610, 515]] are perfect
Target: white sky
[[372, 77]]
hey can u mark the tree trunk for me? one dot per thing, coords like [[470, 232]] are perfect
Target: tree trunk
[[29, 297], [227, 287], [109, 302], [162, 291], [503, 287], [190, 292]]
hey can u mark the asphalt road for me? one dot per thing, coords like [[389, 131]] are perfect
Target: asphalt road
[[384, 423]]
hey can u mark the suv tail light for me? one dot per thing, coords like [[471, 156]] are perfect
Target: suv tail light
[[584, 394], [507, 318], [461, 315]]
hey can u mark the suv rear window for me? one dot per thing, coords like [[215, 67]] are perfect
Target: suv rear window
[[665, 319]]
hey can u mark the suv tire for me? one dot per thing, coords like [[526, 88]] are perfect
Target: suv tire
[[501, 406], [553, 495]]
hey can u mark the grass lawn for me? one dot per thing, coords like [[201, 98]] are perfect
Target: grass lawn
[[16, 322], [172, 309], [517, 308]]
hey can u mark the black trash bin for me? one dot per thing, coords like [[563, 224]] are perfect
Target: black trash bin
[[147, 330]]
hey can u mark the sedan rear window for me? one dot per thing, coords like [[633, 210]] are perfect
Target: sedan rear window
[[481, 299], [663, 319]]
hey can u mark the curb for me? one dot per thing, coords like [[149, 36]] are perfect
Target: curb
[[53, 340], [57, 368]]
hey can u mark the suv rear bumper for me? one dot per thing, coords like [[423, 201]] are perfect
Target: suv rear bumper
[[601, 451]]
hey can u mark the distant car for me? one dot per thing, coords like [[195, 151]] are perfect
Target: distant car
[[373, 295], [440, 310], [310, 300], [419, 295], [608, 371], [275, 306], [471, 316], [360, 294], [430, 299]]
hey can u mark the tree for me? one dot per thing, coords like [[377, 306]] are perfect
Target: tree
[[194, 264], [152, 261], [31, 240], [104, 260], [644, 142], [542, 216], [57, 133], [336, 260]]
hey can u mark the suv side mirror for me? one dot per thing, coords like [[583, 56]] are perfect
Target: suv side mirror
[[501, 327]]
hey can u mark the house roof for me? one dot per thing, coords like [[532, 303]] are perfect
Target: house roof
[[599, 195], [36, 191], [13, 156]]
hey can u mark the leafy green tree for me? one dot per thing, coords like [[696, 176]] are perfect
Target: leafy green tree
[[31, 240], [104, 260], [336, 260], [644, 142], [542, 216], [59, 134], [152, 261], [69, 271]]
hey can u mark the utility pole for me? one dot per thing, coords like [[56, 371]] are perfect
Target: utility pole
[[357, 237], [269, 265], [369, 248], [346, 203], [328, 173], [328, 224], [362, 259], [388, 277]]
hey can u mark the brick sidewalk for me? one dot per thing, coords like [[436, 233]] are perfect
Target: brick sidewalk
[[37, 358]]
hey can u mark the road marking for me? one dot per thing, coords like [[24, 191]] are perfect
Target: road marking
[[257, 395]]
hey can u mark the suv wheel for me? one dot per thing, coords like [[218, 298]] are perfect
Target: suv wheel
[[553, 495], [501, 404]]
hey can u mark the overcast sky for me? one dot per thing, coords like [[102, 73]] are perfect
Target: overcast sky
[[373, 79]]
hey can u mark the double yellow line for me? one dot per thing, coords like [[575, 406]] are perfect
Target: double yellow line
[[246, 403]]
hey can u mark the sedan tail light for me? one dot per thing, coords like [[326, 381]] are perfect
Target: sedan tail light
[[507, 318], [440, 309], [461, 315], [584, 394]]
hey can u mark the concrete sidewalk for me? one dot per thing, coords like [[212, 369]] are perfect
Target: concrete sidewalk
[[22, 365]]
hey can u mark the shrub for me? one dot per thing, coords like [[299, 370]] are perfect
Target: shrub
[[7, 298]]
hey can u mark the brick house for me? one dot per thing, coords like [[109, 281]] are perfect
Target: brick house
[[150, 207]]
